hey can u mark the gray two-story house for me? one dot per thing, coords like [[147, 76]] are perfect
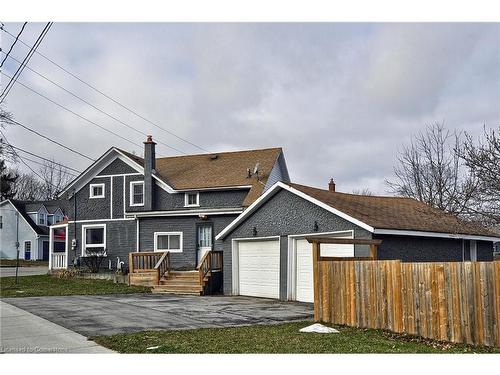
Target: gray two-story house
[[123, 203]]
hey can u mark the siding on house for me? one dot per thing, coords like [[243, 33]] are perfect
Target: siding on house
[[185, 224], [430, 249], [117, 167], [278, 173], [286, 214], [9, 234]]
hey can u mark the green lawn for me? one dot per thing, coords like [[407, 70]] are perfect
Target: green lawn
[[23, 263], [283, 338], [45, 285]]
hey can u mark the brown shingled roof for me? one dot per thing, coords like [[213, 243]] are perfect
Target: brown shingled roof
[[394, 212], [222, 169]]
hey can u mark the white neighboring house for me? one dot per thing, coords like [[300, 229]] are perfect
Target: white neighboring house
[[27, 222]]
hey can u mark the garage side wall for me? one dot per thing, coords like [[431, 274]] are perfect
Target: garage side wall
[[428, 249], [285, 214]]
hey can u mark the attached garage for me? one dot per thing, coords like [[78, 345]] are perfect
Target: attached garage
[[257, 272]]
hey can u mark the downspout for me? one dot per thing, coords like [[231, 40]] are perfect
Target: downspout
[[17, 245]]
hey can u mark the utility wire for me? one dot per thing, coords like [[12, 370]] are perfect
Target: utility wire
[[19, 70], [76, 114], [96, 108], [13, 44], [110, 98], [43, 165], [41, 157], [45, 137]]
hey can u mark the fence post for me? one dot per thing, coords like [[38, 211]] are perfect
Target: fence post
[[316, 255]]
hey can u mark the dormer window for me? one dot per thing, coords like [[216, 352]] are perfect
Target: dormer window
[[192, 200], [42, 218], [96, 190], [137, 193]]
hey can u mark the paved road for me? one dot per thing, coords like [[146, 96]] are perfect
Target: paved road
[[110, 314], [22, 332], [23, 271]]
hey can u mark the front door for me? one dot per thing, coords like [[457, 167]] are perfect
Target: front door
[[204, 240], [45, 250]]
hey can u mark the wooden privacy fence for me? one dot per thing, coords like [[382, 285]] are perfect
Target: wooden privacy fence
[[452, 301]]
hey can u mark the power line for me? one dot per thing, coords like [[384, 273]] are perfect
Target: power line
[[19, 70], [110, 98], [96, 108], [76, 114], [13, 44], [46, 137], [41, 157], [43, 165]]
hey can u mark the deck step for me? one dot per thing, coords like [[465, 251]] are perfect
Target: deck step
[[177, 289]]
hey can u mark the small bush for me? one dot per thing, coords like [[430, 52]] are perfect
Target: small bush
[[66, 274]]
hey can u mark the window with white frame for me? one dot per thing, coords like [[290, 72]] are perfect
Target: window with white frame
[[94, 238], [96, 190], [137, 193], [191, 199], [42, 218], [168, 241]]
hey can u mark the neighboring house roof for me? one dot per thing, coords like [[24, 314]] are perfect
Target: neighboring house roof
[[384, 215], [23, 207], [214, 170]]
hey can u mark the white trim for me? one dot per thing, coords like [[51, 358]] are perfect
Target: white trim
[[111, 197], [137, 235], [186, 199], [214, 211], [131, 193], [397, 232], [235, 277], [155, 241], [236, 187], [51, 245], [473, 251], [118, 175], [91, 192], [24, 249], [124, 195], [273, 190], [84, 244], [95, 221], [291, 287]]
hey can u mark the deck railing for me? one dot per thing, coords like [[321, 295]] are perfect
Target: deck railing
[[211, 261], [162, 266], [144, 261], [58, 261]]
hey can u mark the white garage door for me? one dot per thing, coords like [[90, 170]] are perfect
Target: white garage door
[[259, 268], [304, 280]]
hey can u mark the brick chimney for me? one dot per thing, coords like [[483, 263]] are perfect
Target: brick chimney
[[331, 185], [149, 168]]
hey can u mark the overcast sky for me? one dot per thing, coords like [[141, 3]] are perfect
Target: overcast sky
[[341, 99]]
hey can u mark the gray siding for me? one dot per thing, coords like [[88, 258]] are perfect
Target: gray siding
[[279, 172], [91, 208], [426, 249], [185, 224], [117, 167], [120, 239], [286, 214]]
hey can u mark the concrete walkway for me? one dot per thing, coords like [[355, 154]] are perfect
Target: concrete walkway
[[23, 271], [23, 332]]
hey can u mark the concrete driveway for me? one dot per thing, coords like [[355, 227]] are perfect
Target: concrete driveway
[[23, 271], [110, 314]]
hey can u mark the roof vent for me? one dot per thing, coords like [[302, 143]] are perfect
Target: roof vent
[[214, 156]]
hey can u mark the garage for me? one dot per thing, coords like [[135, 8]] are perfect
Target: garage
[[259, 268], [304, 270]]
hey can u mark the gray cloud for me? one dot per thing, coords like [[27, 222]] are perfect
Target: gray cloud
[[339, 98]]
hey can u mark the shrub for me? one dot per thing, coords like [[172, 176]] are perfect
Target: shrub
[[66, 274]]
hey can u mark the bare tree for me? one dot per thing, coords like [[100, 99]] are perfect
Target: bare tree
[[483, 160], [430, 170], [53, 179], [364, 191]]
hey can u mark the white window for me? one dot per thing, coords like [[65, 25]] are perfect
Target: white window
[[27, 250], [205, 236], [171, 241], [191, 199], [96, 190], [137, 193], [94, 237], [42, 218], [58, 218]]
